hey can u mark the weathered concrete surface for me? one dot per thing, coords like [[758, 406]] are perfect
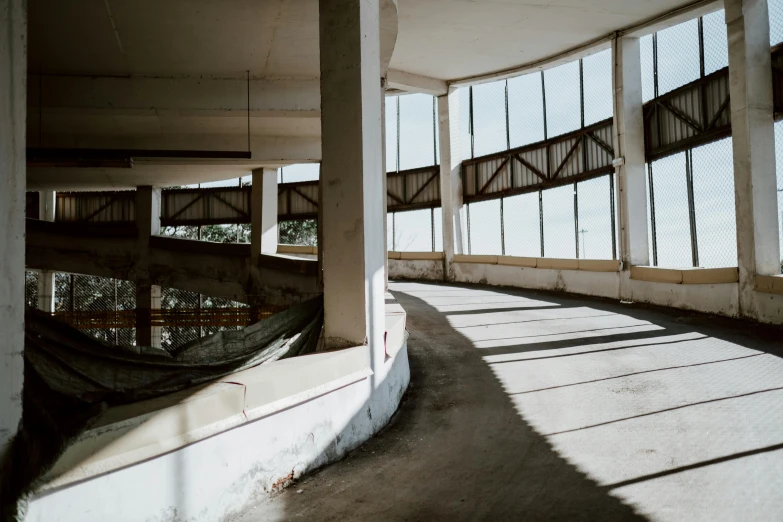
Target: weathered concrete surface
[[529, 405], [217, 269]]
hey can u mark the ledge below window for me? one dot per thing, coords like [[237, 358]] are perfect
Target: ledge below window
[[551, 263], [769, 284], [685, 276]]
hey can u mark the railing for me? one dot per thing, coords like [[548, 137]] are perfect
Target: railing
[[576, 156]]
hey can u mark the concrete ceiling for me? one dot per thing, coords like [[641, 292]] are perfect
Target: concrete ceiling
[[445, 39], [454, 39]]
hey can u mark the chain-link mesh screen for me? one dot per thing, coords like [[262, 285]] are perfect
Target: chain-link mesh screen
[[390, 230], [595, 231], [301, 232], [300, 172], [489, 118], [412, 231], [775, 21], [522, 230], [559, 225], [678, 56], [484, 236], [716, 45], [392, 137], [31, 288], [525, 109], [563, 106], [597, 74], [417, 122], [691, 221], [672, 218], [186, 303], [713, 201]]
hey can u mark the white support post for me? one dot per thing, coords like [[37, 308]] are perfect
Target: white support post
[[753, 142], [351, 175], [13, 104], [450, 179], [148, 295], [46, 207], [263, 216], [629, 153]]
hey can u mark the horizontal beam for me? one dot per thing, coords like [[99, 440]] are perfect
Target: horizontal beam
[[410, 82]]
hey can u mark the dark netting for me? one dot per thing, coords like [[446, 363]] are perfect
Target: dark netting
[[71, 377]]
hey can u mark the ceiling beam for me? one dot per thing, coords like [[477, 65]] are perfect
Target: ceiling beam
[[410, 82]]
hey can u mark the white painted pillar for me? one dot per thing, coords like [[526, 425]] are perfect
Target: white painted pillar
[[263, 216], [351, 175], [450, 179], [147, 294], [13, 103], [629, 148], [46, 207], [753, 142]]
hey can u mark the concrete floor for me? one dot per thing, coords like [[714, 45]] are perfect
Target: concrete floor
[[539, 406]]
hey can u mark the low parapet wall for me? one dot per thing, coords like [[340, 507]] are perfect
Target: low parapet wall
[[213, 451]]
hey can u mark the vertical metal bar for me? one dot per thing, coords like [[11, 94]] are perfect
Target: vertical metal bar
[[398, 134], [576, 216], [691, 206], [467, 211], [116, 330], [612, 214], [502, 230], [432, 226], [470, 123], [653, 232], [434, 131], [702, 86], [543, 102], [659, 132], [508, 143], [394, 231], [71, 295], [581, 93], [541, 219]]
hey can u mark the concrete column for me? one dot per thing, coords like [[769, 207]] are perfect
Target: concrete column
[[629, 151], [147, 294], [450, 179], [263, 216], [13, 103], [47, 201], [753, 142], [351, 175]]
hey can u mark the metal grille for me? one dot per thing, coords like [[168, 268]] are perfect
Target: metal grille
[[562, 98], [301, 232], [521, 225], [489, 118], [775, 21], [692, 218], [100, 306], [415, 230], [525, 110], [31, 288], [574, 220], [597, 81], [417, 127]]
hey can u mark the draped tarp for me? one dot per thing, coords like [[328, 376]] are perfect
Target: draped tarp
[[70, 378]]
